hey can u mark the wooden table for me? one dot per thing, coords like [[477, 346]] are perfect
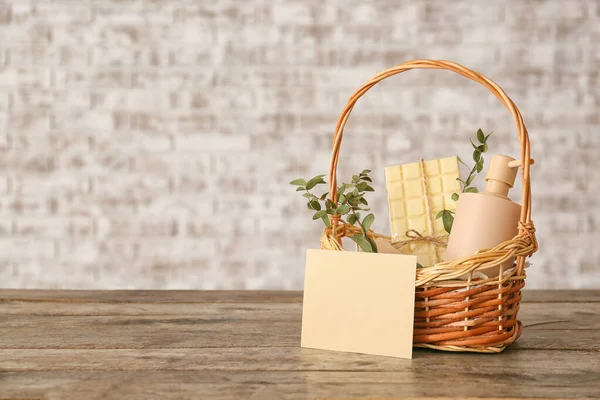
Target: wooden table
[[245, 345]]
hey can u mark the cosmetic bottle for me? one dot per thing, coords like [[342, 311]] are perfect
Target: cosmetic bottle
[[484, 220]]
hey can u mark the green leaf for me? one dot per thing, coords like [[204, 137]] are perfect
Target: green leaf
[[315, 205], [373, 244], [343, 210], [479, 165], [476, 155], [362, 186], [363, 201], [314, 182], [342, 189], [355, 178], [365, 171], [300, 189], [357, 216], [308, 195], [455, 196], [324, 195], [311, 185], [298, 182], [439, 215], [469, 180], [473, 144], [462, 162], [448, 220], [366, 178], [369, 189], [351, 219], [319, 214], [485, 147], [326, 221], [471, 190], [352, 200], [486, 138], [419, 265], [362, 242], [480, 136], [341, 199], [367, 222]]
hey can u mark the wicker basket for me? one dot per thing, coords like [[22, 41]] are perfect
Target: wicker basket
[[455, 314]]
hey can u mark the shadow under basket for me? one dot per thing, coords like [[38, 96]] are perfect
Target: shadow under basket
[[454, 313]]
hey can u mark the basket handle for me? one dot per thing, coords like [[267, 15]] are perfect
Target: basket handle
[[440, 64]]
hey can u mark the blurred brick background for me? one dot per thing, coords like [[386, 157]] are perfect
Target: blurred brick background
[[148, 144]]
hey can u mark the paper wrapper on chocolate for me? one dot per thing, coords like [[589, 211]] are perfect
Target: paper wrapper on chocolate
[[416, 193]]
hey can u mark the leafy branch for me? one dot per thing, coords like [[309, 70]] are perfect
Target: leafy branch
[[447, 216], [348, 205]]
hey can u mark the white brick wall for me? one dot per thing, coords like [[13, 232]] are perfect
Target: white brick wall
[[149, 144]]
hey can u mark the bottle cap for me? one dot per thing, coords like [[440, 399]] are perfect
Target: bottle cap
[[500, 170]]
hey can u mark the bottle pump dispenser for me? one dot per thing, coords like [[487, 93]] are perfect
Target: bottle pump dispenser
[[484, 220]]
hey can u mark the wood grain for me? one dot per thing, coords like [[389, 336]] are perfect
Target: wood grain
[[582, 314], [266, 296], [292, 359], [293, 385], [228, 345], [152, 296], [561, 296], [188, 325]]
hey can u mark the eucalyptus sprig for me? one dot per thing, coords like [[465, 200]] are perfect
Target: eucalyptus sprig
[[348, 205], [447, 216]]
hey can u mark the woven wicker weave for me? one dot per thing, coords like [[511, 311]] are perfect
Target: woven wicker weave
[[455, 314]]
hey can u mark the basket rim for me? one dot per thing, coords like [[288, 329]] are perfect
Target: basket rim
[[524, 244]]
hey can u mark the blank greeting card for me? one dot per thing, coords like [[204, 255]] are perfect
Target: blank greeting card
[[359, 302]]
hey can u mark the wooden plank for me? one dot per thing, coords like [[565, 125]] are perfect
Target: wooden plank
[[255, 311], [142, 332], [181, 332], [534, 315], [564, 380], [235, 325], [558, 340], [152, 296], [560, 315], [561, 296], [191, 296], [537, 363]]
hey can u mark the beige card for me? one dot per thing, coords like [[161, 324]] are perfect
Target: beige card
[[359, 302]]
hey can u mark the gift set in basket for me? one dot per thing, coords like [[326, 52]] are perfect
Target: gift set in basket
[[466, 302]]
